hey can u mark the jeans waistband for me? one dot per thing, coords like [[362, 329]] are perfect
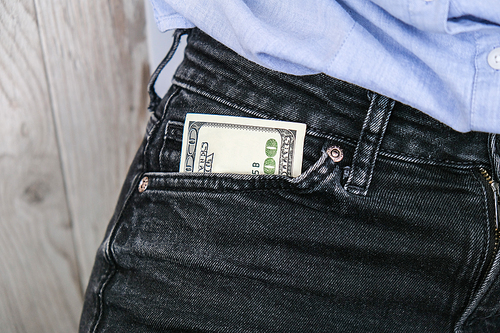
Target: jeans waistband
[[331, 108]]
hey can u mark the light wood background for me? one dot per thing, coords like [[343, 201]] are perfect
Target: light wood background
[[73, 99]]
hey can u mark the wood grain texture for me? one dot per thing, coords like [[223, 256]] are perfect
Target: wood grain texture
[[96, 58], [39, 284], [73, 78]]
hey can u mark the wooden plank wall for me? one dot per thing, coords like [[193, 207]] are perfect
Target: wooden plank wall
[[73, 78]]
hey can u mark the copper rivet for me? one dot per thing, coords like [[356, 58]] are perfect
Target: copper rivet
[[143, 185], [335, 153]]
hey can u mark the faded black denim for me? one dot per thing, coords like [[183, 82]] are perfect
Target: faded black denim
[[396, 237]]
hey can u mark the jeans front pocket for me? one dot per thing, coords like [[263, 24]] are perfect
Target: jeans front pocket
[[222, 252]]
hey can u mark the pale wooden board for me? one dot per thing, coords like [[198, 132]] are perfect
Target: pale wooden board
[[39, 285], [96, 58]]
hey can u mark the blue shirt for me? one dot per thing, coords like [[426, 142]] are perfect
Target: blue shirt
[[439, 56]]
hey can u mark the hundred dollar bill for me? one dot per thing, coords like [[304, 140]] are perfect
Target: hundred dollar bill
[[227, 144]]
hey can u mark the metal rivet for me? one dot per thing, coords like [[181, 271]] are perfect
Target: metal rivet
[[143, 185], [335, 153]]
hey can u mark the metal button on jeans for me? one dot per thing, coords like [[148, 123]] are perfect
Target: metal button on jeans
[[143, 184], [335, 153], [494, 58]]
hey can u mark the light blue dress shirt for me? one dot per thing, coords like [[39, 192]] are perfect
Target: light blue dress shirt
[[439, 56]]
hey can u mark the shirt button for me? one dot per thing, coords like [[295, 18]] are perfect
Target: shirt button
[[494, 58]]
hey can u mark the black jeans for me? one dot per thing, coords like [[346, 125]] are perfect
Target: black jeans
[[396, 236]]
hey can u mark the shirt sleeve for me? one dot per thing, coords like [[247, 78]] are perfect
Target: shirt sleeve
[[444, 16]]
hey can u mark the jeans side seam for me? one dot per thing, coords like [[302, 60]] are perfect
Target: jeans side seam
[[108, 254], [109, 275]]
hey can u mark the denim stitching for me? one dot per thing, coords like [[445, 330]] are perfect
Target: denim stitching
[[494, 155], [158, 124], [163, 146], [474, 299], [99, 312], [261, 113], [154, 99], [109, 257], [370, 140], [496, 314], [214, 97], [271, 185], [320, 133], [420, 159]]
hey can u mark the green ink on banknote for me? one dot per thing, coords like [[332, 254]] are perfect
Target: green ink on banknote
[[269, 166], [271, 147]]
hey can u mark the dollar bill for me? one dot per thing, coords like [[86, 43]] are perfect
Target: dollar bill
[[228, 144]]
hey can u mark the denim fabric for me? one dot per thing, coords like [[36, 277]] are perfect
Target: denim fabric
[[398, 236]]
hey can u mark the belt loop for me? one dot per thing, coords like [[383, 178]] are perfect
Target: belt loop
[[154, 99], [494, 152], [368, 145]]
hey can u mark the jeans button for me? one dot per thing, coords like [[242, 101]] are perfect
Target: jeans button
[[335, 153], [143, 185]]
